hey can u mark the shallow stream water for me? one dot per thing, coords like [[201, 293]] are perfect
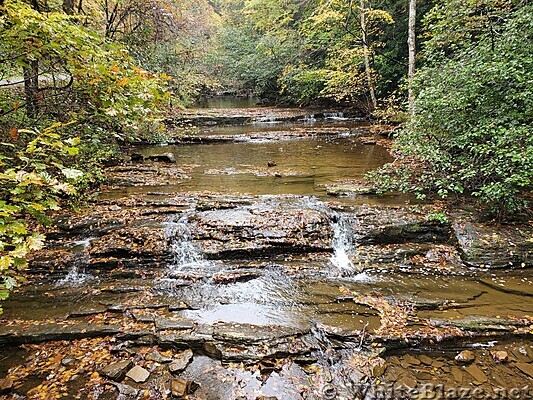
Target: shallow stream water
[[273, 172]]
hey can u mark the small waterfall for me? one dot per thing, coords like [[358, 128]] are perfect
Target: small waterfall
[[339, 116], [186, 254], [344, 247], [309, 119], [267, 120], [77, 275]]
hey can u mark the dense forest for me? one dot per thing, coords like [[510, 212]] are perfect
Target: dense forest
[[80, 80]]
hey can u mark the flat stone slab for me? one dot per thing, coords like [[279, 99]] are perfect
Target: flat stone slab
[[493, 246], [247, 232], [388, 225], [42, 332], [246, 333], [350, 188]]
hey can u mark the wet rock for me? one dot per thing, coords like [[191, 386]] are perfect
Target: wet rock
[[180, 361], [500, 356], [117, 371], [184, 339], [482, 324], [246, 232], [350, 188], [476, 373], [126, 390], [37, 333], [465, 357], [6, 385], [389, 225], [164, 157], [138, 374], [250, 334], [85, 311], [163, 324], [157, 357], [143, 317], [142, 241], [179, 306], [156, 174], [181, 387], [525, 368], [491, 246], [225, 277]]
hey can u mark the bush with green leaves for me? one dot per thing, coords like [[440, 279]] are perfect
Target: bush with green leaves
[[471, 132], [33, 182]]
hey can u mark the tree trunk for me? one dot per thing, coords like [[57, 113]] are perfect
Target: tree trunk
[[367, 57], [31, 87], [68, 7], [411, 43]]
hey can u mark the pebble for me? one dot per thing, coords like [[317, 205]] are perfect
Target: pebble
[[180, 362], [138, 374], [181, 387], [465, 357], [117, 371], [6, 385], [500, 356]]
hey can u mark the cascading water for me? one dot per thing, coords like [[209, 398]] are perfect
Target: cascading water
[[76, 275], [186, 255], [344, 246], [335, 116]]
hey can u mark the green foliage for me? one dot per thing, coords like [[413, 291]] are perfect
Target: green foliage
[[106, 90], [471, 132], [101, 98], [306, 51], [32, 182]]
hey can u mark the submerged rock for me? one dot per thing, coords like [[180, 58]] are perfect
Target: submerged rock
[[164, 157], [350, 188], [181, 387]]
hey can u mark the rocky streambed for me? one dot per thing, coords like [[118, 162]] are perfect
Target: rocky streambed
[[230, 268]]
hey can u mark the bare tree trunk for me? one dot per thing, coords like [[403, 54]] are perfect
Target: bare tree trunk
[[68, 7], [367, 57], [411, 43], [31, 87]]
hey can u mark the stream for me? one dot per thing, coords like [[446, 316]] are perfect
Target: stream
[[251, 250]]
